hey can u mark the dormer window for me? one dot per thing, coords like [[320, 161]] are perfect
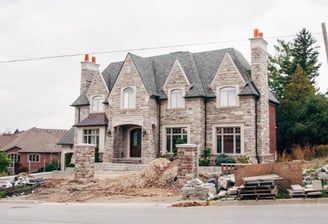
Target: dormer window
[[129, 98], [97, 104], [176, 98], [228, 97]]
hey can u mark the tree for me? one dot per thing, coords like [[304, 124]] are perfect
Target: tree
[[4, 164], [292, 103], [302, 51]]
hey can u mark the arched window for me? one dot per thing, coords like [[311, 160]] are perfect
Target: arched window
[[129, 98], [228, 97], [97, 104], [177, 100]]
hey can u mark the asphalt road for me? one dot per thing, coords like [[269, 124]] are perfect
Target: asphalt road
[[147, 213]]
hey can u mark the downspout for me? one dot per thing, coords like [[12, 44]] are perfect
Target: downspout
[[159, 124], [205, 122], [256, 130]]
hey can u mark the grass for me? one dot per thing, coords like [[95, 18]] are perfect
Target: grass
[[17, 190], [283, 194]]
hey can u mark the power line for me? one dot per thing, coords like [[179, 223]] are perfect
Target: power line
[[138, 49]]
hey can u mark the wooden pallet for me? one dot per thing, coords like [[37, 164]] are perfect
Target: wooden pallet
[[258, 192]]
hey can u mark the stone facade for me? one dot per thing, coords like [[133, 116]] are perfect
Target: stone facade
[[139, 132], [84, 163]]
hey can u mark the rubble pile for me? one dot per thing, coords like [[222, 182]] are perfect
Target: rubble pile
[[197, 189]]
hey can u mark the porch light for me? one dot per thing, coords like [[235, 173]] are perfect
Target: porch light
[[109, 133], [144, 133]]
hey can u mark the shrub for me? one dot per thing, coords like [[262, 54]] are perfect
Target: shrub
[[204, 162], [223, 158], [284, 156], [322, 151], [244, 159]]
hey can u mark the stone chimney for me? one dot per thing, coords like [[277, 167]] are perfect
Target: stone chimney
[[259, 73], [88, 71]]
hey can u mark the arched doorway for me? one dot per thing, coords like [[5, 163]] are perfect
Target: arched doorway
[[135, 142]]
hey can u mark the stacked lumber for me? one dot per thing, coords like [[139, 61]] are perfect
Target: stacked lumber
[[259, 187]]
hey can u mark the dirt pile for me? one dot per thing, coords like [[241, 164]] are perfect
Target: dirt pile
[[156, 180]]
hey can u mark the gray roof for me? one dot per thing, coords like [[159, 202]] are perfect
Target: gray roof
[[200, 69], [249, 90], [272, 98], [37, 140], [82, 100], [68, 138], [97, 119]]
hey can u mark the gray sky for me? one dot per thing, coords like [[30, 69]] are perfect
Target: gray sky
[[38, 93]]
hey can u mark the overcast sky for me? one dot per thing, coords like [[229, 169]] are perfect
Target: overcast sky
[[38, 93]]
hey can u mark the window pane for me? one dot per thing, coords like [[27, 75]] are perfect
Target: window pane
[[168, 143], [128, 98], [219, 144], [223, 98], [228, 143], [232, 97], [238, 144]]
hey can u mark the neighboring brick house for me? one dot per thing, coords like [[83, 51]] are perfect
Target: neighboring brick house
[[140, 107], [33, 148]]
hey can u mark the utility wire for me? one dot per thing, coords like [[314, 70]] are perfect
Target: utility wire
[[138, 49]]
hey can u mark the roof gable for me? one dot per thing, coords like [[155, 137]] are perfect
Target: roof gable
[[177, 77]]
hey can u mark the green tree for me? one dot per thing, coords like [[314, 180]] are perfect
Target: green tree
[[301, 51], [292, 104], [313, 121], [4, 164]]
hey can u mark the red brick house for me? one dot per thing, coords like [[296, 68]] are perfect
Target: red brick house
[[32, 149], [142, 106]]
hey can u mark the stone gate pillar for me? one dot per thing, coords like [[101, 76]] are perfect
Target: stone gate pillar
[[187, 162], [84, 162]]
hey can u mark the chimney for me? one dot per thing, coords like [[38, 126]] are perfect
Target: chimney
[[88, 71], [259, 76]]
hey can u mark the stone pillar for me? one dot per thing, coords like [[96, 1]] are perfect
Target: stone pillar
[[84, 162], [187, 162]]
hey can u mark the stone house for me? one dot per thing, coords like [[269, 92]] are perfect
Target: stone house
[[33, 148], [141, 107]]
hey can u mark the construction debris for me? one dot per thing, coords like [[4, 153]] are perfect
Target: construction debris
[[259, 187]]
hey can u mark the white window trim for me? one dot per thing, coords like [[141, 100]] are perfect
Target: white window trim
[[102, 136], [174, 126], [170, 98], [230, 125], [135, 97], [28, 158], [91, 107], [218, 95]]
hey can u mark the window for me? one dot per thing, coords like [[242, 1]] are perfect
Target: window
[[228, 97], [14, 157], [177, 100], [228, 140], [91, 136], [129, 99], [97, 104], [34, 158], [175, 136]]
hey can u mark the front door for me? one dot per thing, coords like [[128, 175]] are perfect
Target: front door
[[135, 143]]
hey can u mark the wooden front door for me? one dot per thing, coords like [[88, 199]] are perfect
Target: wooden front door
[[135, 143]]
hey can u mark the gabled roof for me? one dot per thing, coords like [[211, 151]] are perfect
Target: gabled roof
[[249, 90], [68, 138], [6, 138], [200, 69], [82, 100], [36, 140], [96, 119]]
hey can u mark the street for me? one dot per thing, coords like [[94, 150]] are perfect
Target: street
[[146, 213]]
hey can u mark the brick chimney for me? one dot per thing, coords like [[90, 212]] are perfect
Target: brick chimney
[[88, 71], [259, 73]]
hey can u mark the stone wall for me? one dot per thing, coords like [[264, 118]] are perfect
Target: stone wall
[[187, 163], [291, 172], [84, 162]]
